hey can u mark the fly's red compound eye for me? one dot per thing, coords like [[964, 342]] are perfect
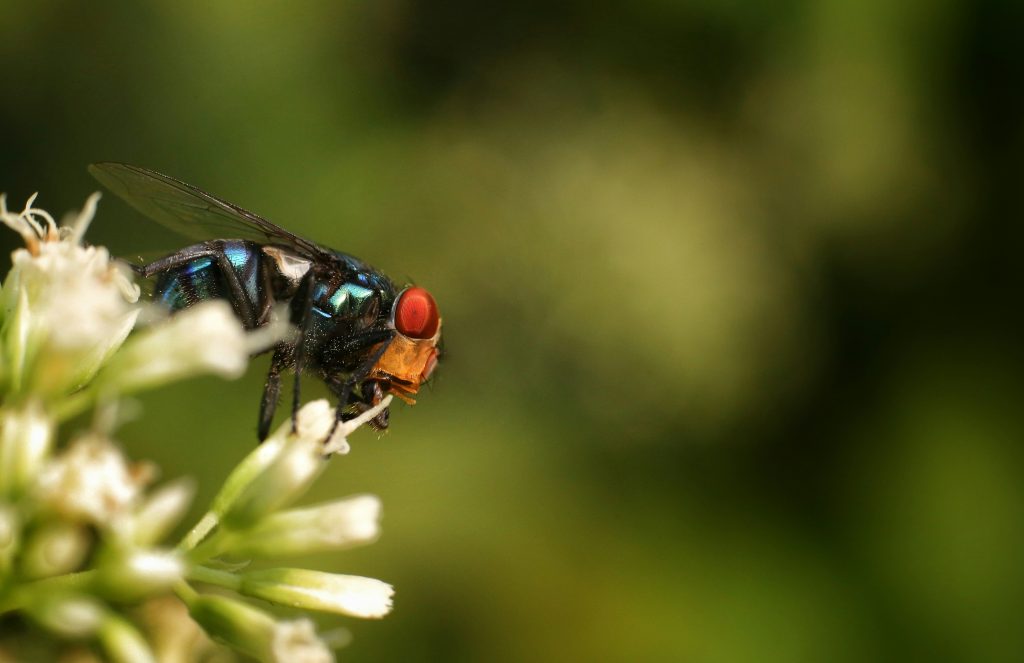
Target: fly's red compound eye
[[416, 314]]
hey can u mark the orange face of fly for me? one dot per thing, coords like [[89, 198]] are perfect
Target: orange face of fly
[[411, 356]]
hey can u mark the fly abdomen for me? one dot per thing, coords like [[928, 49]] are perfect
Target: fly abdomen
[[221, 269]]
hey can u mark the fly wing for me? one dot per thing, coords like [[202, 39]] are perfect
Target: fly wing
[[189, 210]]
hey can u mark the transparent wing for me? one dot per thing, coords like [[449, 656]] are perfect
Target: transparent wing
[[190, 211]]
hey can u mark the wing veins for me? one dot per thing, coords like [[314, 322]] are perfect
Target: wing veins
[[190, 211]]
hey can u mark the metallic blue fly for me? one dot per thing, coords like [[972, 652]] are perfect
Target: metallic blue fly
[[357, 331]]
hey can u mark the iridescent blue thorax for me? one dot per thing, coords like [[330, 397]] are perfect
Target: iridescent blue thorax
[[352, 298]]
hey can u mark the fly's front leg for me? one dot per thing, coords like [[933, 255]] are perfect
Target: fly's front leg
[[372, 393], [215, 251], [360, 373]]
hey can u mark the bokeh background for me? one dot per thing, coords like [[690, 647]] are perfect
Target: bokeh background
[[730, 293]]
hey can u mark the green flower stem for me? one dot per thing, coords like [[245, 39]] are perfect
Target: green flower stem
[[185, 592], [210, 547], [199, 532], [69, 582], [122, 641], [215, 577]]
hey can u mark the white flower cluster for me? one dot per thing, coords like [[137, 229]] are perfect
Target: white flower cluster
[[82, 550]]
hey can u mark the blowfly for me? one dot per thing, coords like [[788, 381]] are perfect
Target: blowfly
[[358, 332]]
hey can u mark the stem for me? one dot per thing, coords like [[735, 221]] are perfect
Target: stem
[[214, 577], [199, 532], [23, 595], [185, 592]]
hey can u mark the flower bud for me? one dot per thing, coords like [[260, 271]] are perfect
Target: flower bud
[[298, 462], [92, 482], [54, 548], [161, 511], [123, 643], [26, 436], [206, 338], [66, 615], [321, 528], [256, 633], [130, 575], [355, 596]]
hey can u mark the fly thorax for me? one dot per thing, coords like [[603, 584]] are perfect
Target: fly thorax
[[348, 302]]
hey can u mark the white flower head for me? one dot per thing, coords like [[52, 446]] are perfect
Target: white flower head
[[79, 540], [91, 481], [72, 303]]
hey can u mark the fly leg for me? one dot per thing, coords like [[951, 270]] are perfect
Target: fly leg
[[372, 394], [215, 251], [358, 375], [272, 389], [302, 308]]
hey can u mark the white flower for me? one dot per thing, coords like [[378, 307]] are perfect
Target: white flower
[[91, 481], [321, 528], [256, 633], [297, 642], [26, 435], [298, 461], [207, 338], [73, 306], [163, 567], [355, 596], [285, 465], [79, 540]]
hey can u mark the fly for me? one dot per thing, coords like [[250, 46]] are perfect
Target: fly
[[356, 330]]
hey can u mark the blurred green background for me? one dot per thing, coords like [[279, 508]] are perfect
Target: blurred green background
[[734, 369]]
